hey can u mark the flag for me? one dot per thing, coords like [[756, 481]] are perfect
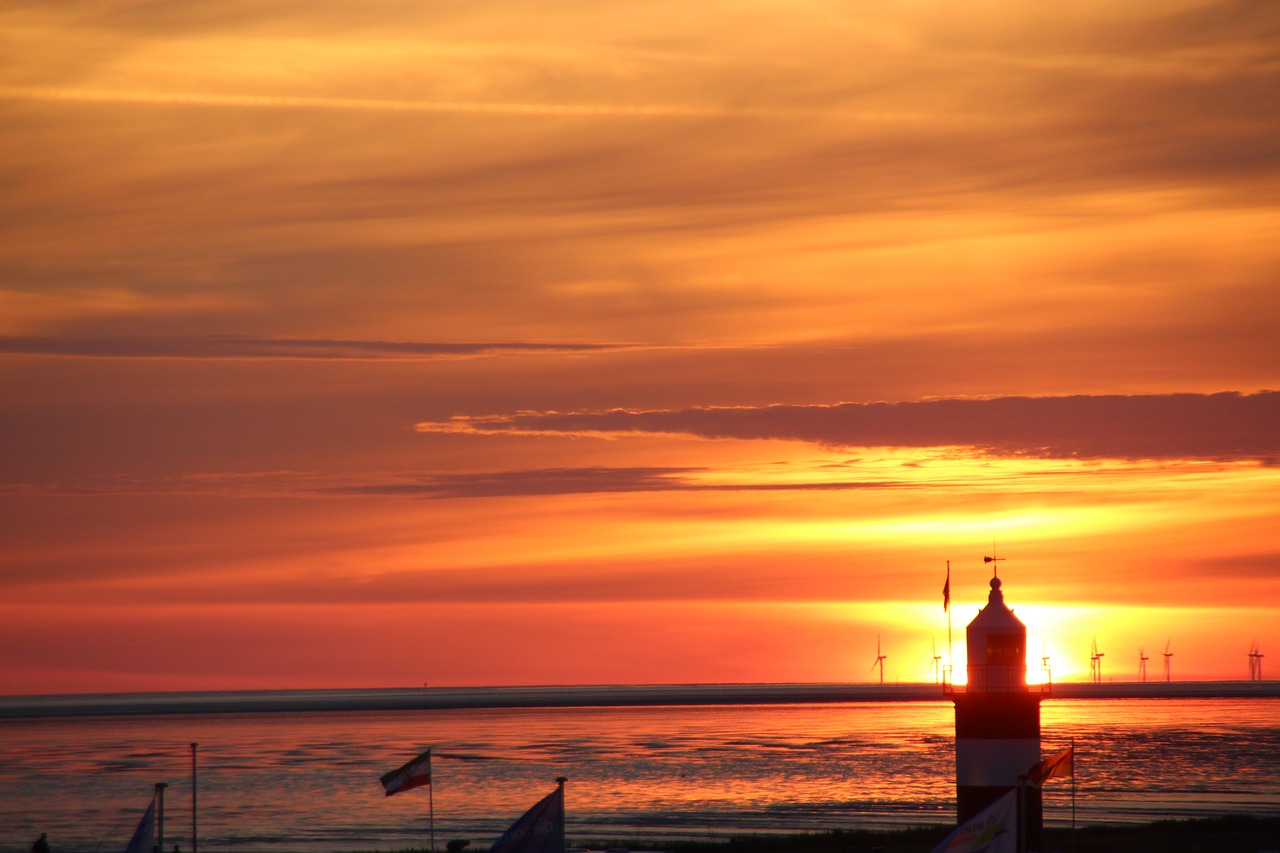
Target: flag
[[946, 591], [541, 830], [993, 830], [413, 775], [144, 837], [1062, 764]]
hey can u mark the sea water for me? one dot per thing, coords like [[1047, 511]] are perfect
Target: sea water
[[293, 781]]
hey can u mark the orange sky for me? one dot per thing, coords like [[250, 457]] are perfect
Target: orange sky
[[502, 343]]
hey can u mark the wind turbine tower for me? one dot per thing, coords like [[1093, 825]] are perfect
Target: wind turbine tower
[[1168, 665], [1142, 663], [879, 659], [1095, 663], [937, 669]]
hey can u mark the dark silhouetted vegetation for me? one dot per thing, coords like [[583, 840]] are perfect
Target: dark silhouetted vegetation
[[1229, 834]]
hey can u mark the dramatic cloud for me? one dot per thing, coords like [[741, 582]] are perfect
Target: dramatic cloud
[[1216, 426]]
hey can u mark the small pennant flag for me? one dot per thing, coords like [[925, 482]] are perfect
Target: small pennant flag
[[413, 775], [946, 590]]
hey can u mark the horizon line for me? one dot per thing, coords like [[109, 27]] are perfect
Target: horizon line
[[426, 697]]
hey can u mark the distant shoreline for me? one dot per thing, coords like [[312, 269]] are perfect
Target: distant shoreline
[[576, 696]]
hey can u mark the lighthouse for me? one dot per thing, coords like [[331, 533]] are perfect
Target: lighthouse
[[997, 718]]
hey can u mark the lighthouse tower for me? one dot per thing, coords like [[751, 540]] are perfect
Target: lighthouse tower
[[997, 717]]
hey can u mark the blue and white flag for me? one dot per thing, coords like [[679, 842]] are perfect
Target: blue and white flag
[[541, 830], [992, 830], [144, 837]]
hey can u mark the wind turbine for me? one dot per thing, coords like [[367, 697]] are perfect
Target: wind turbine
[[1142, 663], [1168, 667], [1095, 663], [937, 670], [1255, 662], [1044, 662], [879, 659]]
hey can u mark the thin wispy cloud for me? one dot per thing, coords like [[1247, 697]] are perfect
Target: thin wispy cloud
[[234, 346], [213, 99], [578, 481], [1217, 426], [524, 482]]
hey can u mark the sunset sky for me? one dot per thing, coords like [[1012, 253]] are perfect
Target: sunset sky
[[482, 343]]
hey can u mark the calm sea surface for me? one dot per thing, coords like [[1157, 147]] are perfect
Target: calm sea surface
[[309, 781]]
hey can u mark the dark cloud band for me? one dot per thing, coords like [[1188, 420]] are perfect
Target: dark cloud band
[[1215, 426]]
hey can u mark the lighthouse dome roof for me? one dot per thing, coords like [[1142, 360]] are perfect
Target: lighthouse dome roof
[[996, 616]]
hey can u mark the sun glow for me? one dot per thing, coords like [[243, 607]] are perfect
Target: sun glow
[[1060, 640]]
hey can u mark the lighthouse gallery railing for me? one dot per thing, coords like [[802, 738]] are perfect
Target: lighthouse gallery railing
[[995, 679]]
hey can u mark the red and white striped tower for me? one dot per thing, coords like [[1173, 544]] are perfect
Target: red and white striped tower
[[997, 717]]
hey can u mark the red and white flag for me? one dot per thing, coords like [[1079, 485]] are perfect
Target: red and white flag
[[413, 775], [1062, 764]]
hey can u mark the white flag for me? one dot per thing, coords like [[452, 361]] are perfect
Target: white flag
[[144, 837], [541, 830], [993, 830]]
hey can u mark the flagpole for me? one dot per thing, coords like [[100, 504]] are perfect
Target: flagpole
[[431, 801], [560, 780], [951, 664], [1023, 817], [194, 811], [1073, 795], [160, 786]]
